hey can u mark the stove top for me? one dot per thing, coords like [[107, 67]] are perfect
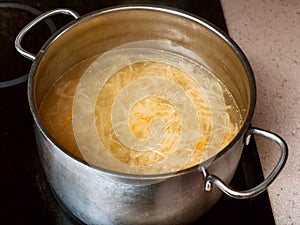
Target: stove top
[[25, 192]]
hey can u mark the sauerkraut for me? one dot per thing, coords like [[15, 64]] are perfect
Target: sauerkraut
[[141, 110]]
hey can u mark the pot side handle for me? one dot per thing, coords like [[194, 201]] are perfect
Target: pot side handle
[[212, 179], [34, 22]]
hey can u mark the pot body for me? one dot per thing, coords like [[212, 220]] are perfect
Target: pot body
[[96, 196]]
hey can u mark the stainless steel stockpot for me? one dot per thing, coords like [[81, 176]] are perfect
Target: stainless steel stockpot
[[98, 196]]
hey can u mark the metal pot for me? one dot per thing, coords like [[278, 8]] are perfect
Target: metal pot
[[99, 196]]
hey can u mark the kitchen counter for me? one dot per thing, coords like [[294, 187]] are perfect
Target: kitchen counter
[[269, 34]]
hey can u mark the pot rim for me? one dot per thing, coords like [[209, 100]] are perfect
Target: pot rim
[[217, 31]]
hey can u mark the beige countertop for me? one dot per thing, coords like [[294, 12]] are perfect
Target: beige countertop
[[268, 31]]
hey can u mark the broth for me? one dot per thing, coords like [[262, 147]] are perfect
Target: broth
[[149, 116]]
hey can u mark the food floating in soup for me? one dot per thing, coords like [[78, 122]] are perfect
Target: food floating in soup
[[141, 110]]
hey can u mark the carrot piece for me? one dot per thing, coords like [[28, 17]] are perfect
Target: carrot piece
[[200, 144], [68, 118]]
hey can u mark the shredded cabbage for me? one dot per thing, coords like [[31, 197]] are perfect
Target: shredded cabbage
[[141, 110]]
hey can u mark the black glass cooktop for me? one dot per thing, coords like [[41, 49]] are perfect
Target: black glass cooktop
[[25, 193]]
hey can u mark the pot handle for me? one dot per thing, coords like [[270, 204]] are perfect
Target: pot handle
[[209, 179], [34, 22]]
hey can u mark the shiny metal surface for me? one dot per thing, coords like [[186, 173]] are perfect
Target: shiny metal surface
[[33, 23], [98, 196], [211, 179]]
